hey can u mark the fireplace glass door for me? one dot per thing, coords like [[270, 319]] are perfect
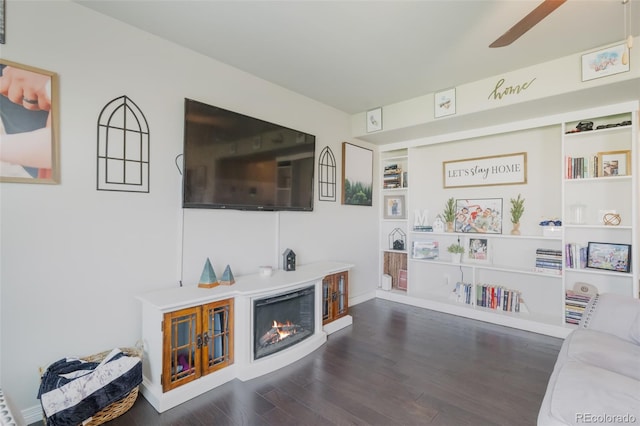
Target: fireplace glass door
[[282, 321]]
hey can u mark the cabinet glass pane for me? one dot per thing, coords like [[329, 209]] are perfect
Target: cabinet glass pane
[[325, 299], [218, 335], [341, 294], [183, 346]]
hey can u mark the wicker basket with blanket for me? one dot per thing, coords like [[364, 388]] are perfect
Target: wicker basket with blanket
[[91, 390]]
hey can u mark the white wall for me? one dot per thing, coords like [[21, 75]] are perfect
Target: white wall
[[73, 259]]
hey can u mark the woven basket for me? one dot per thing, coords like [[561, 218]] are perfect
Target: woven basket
[[117, 408]]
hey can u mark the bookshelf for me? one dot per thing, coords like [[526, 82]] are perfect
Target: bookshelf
[[393, 223], [534, 264]]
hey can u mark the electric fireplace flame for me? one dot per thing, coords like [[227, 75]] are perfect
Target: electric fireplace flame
[[279, 331]]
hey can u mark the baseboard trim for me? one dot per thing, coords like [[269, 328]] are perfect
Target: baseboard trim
[[32, 414]]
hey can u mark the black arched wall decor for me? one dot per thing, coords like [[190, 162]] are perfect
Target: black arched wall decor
[[327, 175], [123, 147]]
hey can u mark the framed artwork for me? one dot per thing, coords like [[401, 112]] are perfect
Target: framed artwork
[[479, 216], [3, 11], [357, 175], [374, 120], [610, 257], [30, 121], [505, 169], [444, 103], [428, 249], [604, 62], [614, 163], [477, 250], [394, 207]]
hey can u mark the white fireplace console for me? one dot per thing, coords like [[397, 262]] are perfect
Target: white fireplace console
[[246, 288]]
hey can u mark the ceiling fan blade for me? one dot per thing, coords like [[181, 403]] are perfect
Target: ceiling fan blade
[[528, 22]]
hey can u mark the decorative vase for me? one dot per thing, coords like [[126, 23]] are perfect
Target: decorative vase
[[456, 257], [516, 229], [450, 227]]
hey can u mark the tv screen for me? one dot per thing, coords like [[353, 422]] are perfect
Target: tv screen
[[232, 161]]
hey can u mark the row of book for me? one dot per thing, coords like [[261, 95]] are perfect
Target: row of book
[[489, 296], [549, 261], [581, 167], [394, 177], [574, 306], [575, 255]]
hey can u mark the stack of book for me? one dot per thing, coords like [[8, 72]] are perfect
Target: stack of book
[[574, 306], [549, 261], [499, 298], [575, 255], [463, 293], [581, 167], [392, 176]]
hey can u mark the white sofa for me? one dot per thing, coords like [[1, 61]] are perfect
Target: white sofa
[[596, 378]]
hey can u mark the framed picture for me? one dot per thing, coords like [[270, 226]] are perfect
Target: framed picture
[[394, 207], [428, 249], [30, 121], [479, 216], [374, 120], [604, 62], [477, 250], [402, 279], [3, 12], [357, 175], [614, 163], [444, 103], [610, 257], [505, 169]]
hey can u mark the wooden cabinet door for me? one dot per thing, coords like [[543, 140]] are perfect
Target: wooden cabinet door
[[180, 357], [217, 341], [341, 295], [335, 296]]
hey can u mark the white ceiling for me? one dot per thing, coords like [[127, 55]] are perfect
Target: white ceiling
[[357, 55]]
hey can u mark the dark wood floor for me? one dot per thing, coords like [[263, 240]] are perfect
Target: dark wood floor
[[396, 365]]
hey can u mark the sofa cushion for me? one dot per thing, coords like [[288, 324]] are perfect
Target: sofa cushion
[[583, 393], [615, 314], [605, 351]]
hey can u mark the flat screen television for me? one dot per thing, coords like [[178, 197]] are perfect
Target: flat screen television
[[233, 161]]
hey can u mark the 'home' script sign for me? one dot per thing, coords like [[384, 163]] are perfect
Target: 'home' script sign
[[508, 169]]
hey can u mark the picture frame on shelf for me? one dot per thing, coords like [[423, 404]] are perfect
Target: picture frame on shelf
[[482, 215], [402, 279], [604, 62], [477, 250], [614, 163], [374, 120], [36, 127], [394, 207], [427, 249], [609, 256]]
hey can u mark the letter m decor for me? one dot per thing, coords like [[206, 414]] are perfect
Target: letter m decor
[[123, 147]]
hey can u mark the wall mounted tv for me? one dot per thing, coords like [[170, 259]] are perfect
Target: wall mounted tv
[[232, 161]]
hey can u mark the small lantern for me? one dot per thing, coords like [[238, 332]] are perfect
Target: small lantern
[[397, 240], [289, 260]]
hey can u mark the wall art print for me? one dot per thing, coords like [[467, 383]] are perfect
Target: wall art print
[[357, 175], [604, 62], [479, 216], [29, 124], [123, 147]]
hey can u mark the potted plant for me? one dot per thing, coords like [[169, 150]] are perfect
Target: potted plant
[[449, 213], [456, 251], [517, 209]]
